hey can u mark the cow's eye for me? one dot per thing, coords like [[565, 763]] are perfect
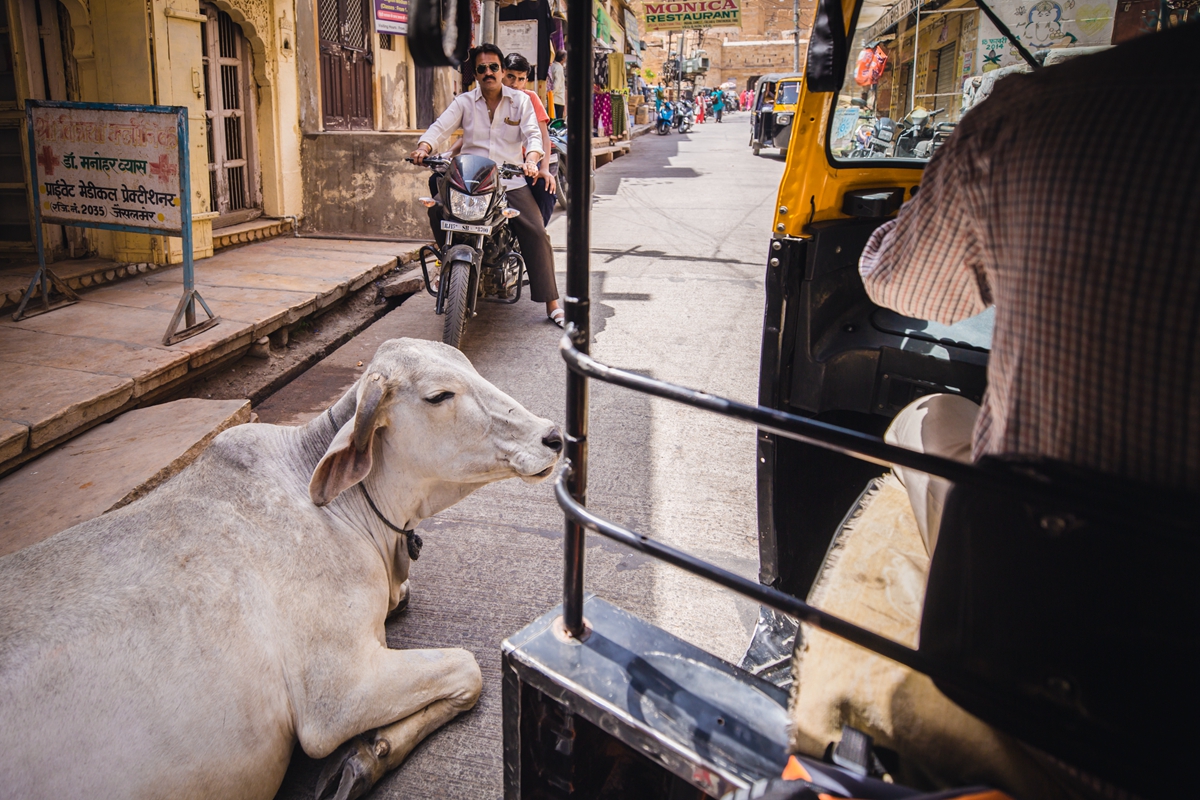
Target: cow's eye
[[440, 397]]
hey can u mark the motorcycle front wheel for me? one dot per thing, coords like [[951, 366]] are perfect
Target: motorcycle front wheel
[[454, 317]]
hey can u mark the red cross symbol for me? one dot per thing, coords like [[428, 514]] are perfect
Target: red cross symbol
[[48, 161], [163, 169]]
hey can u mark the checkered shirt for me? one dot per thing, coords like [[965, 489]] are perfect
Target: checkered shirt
[[1071, 200]]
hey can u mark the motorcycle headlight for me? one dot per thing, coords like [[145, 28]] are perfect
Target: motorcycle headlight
[[469, 207], [783, 119]]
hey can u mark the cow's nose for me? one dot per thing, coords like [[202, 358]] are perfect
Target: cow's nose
[[553, 440]]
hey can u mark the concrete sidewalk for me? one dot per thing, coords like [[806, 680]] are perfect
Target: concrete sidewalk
[[72, 368]]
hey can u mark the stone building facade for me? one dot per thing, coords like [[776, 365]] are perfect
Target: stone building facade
[[765, 43]]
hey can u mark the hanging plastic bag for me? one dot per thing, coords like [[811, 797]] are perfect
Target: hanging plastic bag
[[878, 64], [863, 67]]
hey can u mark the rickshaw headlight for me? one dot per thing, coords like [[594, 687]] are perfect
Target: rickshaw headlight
[[783, 119], [469, 207]]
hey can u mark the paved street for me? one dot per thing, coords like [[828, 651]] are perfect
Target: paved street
[[680, 234]]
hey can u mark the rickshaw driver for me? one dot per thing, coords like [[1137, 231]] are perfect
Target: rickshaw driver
[[1085, 238], [497, 122]]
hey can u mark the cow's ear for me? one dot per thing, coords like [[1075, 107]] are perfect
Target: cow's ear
[[349, 457]]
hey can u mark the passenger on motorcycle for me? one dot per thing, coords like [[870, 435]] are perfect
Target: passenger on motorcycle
[[498, 123], [516, 75]]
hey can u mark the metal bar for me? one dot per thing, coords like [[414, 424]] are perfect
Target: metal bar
[[577, 299], [990, 477], [749, 588], [1000, 26], [916, 50], [43, 276]]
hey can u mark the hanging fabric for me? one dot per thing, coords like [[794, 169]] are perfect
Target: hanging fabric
[[602, 112]]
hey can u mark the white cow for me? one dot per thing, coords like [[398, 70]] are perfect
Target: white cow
[[180, 646]]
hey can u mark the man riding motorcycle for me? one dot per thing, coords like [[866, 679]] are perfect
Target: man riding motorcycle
[[497, 123]]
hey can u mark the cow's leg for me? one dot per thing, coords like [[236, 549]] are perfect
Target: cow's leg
[[400, 697], [361, 762]]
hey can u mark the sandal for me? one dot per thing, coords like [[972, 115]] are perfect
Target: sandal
[[557, 316]]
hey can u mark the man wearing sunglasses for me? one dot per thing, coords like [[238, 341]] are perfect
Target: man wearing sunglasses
[[499, 123]]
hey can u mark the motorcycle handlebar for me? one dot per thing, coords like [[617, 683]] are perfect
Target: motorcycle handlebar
[[433, 162]]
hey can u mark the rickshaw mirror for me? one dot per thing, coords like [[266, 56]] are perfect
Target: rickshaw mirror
[[439, 32], [827, 49]]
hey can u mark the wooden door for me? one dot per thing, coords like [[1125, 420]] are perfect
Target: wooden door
[[344, 32], [229, 108]]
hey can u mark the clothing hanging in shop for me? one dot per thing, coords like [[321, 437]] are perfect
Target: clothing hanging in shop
[[599, 70], [620, 119], [602, 112], [616, 72]]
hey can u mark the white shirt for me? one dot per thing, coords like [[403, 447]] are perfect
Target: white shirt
[[513, 127], [558, 84]]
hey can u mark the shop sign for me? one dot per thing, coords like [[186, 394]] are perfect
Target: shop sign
[[1048, 24], [519, 36], [391, 16], [603, 24], [677, 16], [107, 167], [632, 36]]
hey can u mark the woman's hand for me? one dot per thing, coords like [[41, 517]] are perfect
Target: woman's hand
[[531, 167], [551, 186]]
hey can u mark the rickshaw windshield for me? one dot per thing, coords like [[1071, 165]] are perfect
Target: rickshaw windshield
[[907, 84], [789, 93]]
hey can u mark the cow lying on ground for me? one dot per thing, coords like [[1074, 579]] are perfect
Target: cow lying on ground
[[180, 646]]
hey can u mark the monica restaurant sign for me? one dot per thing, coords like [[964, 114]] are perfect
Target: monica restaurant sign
[[675, 16]]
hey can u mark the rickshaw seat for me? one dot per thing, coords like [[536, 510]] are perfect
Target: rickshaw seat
[[1077, 630]]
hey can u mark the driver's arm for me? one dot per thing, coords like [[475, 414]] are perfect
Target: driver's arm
[[449, 121], [929, 262]]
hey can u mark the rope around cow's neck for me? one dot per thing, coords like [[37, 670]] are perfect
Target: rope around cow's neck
[[412, 539]]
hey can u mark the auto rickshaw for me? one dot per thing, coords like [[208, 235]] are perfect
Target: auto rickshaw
[[771, 116], [1057, 605]]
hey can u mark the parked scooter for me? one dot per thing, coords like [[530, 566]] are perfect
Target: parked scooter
[[480, 256], [558, 143], [685, 116], [666, 118], [875, 140], [918, 129]]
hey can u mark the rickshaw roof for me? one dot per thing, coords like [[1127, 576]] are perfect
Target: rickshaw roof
[[776, 77]]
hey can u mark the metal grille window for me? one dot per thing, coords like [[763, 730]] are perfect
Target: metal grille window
[[229, 107], [346, 88], [947, 71]]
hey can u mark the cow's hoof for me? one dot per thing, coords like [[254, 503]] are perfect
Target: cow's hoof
[[351, 771]]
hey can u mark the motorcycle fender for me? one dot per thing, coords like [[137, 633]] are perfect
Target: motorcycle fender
[[462, 252]]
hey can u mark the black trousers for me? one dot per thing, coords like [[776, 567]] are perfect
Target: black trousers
[[531, 233]]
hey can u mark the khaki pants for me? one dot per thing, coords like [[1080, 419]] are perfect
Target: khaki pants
[[940, 425]]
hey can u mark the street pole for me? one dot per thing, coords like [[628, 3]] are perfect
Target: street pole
[[679, 72], [795, 35]]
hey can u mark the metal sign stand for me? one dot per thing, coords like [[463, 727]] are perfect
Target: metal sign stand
[[186, 310]]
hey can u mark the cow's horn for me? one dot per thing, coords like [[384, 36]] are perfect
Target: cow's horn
[[368, 409]]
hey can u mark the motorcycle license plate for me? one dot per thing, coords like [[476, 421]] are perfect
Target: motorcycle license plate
[[447, 225]]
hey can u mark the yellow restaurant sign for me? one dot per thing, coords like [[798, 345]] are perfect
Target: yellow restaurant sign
[[675, 16]]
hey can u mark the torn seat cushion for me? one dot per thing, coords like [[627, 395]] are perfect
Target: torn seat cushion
[[874, 575]]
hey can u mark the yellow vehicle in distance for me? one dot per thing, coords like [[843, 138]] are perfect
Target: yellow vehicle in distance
[[775, 98]]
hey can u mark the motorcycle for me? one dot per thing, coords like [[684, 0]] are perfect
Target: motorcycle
[[918, 130], [558, 144], [666, 117], [480, 257], [873, 141], [685, 117]]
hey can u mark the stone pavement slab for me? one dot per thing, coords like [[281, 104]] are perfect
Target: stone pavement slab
[[70, 369], [108, 467], [324, 383]]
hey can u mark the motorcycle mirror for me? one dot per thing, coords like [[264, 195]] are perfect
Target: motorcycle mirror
[[858, 102], [439, 32]]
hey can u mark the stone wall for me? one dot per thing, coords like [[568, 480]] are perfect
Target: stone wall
[[358, 183]]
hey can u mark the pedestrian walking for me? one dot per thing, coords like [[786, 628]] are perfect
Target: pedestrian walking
[[556, 87], [718, 104]]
